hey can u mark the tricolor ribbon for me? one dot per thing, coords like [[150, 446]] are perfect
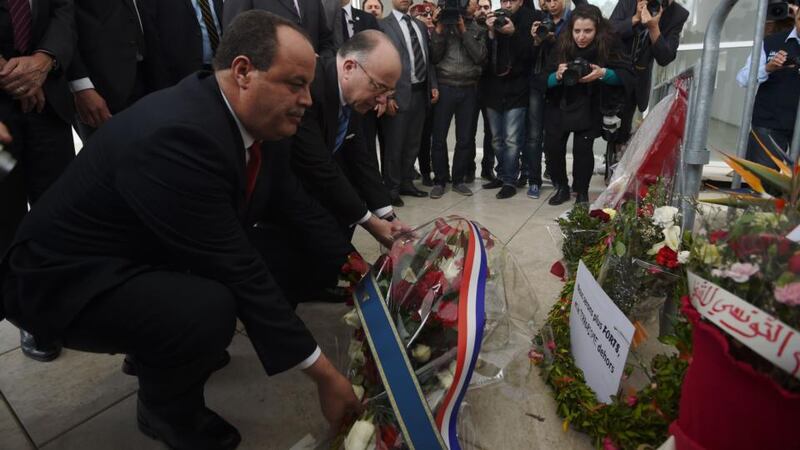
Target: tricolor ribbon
[[416, 422]]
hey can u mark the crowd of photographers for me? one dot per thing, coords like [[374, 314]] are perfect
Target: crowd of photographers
[[538, 74]]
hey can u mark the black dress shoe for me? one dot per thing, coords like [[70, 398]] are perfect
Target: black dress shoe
[[204, 430], [488, 176], [37, 349], [583, 197], [426, 180], [397, 201], [494, 184], [413, 192], [560, 196], [506, 191], [129, 364], [522, 182]]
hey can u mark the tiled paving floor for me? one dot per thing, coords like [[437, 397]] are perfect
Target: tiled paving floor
[[82, 401]]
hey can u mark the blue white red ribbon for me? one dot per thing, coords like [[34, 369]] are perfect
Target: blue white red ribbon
[[471, 320], [407, 399]]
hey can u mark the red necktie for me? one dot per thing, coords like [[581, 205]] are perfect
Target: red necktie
[[253, 166], [21, 23]]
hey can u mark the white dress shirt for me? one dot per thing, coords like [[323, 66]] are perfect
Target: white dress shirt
[[248, 140], [744, 72], [406, 34], [349, 19]]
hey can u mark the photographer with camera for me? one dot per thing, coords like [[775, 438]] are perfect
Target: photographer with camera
[[510, 51], [650, 30], [587, 66], [458, 52], [775, 108], [544, 33]]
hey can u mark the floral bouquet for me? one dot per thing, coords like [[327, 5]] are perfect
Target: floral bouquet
[[443, 295], [642, 265], [742, 387]]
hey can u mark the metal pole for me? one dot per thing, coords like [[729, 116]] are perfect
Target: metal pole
[[752, 86], [796, 137], [696, 154]]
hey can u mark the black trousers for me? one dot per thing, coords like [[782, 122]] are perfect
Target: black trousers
[[175, 324], [487, 161], [555, 145], [43, 149], [424, 157], [461, 102]]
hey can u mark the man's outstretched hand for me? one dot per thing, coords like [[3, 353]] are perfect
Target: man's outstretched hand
[[336, 397]]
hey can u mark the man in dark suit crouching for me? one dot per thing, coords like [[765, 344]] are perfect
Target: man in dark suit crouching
[[142, 248]]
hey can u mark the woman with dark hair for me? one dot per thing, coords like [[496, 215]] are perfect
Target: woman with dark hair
[[586, 70]]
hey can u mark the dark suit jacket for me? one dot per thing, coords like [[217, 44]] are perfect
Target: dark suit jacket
[[161, 187], [53, 32], [109, 38], [180, 49], [348, 182], [361, 21], [391, 27], [663, 51], [312, 18]]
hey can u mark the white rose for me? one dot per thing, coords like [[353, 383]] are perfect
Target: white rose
[[421, 353], [359, 391], [664, 216], [359, 436], [683, 257], [356, 353], [445, 378], [611, 212], [351, 319], [672, 237], [451, 271]]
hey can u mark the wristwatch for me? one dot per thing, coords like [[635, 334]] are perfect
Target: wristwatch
[[391, 217]]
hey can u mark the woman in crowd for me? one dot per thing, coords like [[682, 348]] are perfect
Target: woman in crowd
[[586, 67], [374, 7]]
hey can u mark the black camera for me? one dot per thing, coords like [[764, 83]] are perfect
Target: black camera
[[779, 10], [576, 70], [501, 18], [451, 11], [7, 163], [655, 6], [545, 27]]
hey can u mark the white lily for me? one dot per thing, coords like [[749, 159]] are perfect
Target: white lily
[[359, 391], [672, 237]]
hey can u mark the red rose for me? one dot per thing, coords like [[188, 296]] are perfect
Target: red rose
[[448, 314], [599, 214], [558, 270], [355, 264], [794, 263], [389, 436], [667, 257], [717, 235], [444, 228], [399, 291]]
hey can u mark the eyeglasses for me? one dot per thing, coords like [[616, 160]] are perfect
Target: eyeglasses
[[379, 88]]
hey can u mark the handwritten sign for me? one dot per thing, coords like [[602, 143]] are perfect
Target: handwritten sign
[[769, 337], [600, 335]]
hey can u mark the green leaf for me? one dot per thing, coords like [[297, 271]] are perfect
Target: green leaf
[[619, 248]]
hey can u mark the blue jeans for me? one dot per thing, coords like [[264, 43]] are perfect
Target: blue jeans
[[508, 134], [532, 152]]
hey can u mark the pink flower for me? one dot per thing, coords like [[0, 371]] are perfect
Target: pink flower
[[551, 345], [535, 356], [609, 444], [741, 272], [788, 294], [631, 400]]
